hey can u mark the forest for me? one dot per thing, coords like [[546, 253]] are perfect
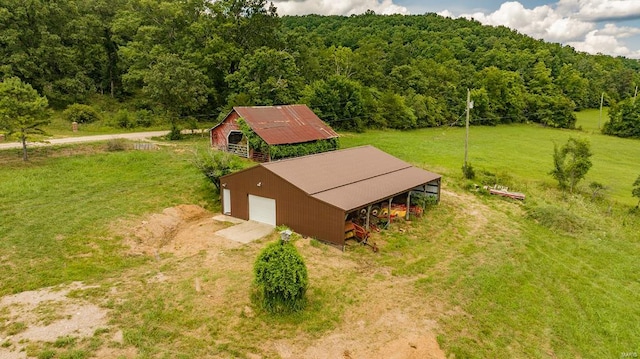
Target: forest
[[196, 59]]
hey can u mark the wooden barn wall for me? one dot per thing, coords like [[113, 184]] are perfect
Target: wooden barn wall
[[294, 208], [219, 134]]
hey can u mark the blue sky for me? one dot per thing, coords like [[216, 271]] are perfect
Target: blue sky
[[610, 27]]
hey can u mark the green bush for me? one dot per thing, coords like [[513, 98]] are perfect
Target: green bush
[[144, 118], [281, 278], [81, 114], [175, 134], [468, 171], [124, 119], [215, 164]]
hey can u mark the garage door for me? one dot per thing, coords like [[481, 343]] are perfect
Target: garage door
[[262, 209]]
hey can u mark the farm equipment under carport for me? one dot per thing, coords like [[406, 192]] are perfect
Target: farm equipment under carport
[[398, 210], [359, 233]]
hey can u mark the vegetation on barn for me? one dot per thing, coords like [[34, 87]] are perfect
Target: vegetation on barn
[[287, 150]]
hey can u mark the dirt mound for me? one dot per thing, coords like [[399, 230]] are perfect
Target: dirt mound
[[181, 230]]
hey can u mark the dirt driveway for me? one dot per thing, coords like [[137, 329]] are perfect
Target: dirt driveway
[[94, 138]]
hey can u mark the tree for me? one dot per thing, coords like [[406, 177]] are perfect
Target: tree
[[215, 164], [22, 110], [395, 111], [177, 86], [636, 190], [624, 119], [281, 278], [338, 101], [268, 77], [571, 162]]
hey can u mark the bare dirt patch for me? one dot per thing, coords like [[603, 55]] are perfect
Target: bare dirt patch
[[182, 230], [45, 315]]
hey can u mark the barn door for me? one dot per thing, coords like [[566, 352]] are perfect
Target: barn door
[[262, 209]]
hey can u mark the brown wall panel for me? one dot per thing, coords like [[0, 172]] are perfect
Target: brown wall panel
[[294, 208]]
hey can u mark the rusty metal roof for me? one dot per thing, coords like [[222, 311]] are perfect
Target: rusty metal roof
[[286, 124], [352, 178]]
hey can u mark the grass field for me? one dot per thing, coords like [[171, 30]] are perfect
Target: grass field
[[555, 276], [519, 154]]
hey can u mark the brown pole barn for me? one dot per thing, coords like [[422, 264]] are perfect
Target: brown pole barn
[[315, 195]]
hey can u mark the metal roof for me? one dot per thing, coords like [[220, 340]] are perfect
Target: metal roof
[[286, 124], [352, 178]]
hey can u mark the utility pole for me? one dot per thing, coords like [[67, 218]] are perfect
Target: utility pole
[[466, 141], [601, 102]]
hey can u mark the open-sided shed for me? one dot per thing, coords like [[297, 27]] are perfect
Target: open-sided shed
[[314, 195]]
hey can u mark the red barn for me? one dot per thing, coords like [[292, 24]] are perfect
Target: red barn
[[276, 125]]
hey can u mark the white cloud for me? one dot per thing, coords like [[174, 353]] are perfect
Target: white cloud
[[345, 7], [619, 32], [604, 42], [542, 22], [599, 10], [571, 22]]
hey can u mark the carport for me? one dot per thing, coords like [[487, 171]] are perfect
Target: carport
[[314, 195]]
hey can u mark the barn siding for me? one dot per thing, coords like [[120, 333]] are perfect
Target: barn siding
[[220, 133], [294, 208]]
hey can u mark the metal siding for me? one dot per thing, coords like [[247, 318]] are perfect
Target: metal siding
[[294, 208]]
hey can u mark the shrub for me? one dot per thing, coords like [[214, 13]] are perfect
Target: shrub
[[281, 278], [81, 114], [215, 164], [116, 144], [144, 118], [571, 162], [636, 190], [175, 134], [468, 171], [124, 119]]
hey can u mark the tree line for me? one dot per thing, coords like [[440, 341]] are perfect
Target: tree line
[[200, 58]]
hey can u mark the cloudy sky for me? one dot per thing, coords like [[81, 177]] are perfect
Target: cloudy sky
[[610, 27]]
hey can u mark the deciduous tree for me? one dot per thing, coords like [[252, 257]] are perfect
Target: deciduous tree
[[177, 86], [571, 163]]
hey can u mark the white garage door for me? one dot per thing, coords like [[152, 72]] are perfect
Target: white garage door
[[262, 209]]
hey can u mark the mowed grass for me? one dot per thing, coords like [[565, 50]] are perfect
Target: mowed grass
[[555, 276], [57, 209], [522, 154]]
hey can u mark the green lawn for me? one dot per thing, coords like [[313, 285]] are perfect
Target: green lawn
[[56, 211], [520, 153]]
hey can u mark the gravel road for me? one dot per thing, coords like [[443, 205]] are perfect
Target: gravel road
[[96, 138]]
